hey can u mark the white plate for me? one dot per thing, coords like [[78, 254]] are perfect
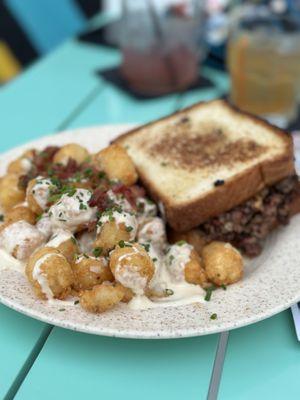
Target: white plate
[[271, 283]]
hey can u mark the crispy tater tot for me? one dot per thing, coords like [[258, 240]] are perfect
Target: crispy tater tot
[[20, 238], [194, 237], [50, 274], [184, 264], [20, 213], [223, 263], [128, 294], [101, 297], [132, 266], [65, 242], [152, 230], [38, 193], [10, 192], [194, 271], [71, 150], [90, 271], [22, 164], [117, 164], [115, 228]]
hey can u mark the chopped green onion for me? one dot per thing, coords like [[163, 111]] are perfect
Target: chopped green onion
[[213, 316], [97, 251]]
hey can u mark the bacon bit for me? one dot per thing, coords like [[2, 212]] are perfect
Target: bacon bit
[[23, 181], [65, 171], [138, 191], [99, 199], [43, 158], [91, 226], [130, 193]]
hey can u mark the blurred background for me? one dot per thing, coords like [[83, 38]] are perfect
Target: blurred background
[[166, 44]]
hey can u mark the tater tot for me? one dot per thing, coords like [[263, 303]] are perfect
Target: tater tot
[[50, 274], [90, 271], [223, 263], [132, 266], [37, 194], [65, 242], [72, 150], [101, 297], [117, 164], [184, 264], [20, 239], [114, 228], [194, 237], [194, 271], [153, 230], [20, 213], [10, 192], [22, 164]]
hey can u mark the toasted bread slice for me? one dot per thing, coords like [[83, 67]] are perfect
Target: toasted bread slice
[[207, 159]]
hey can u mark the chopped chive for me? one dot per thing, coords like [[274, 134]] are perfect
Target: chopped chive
[[1, 217], [76, 302], [213, 316], [169, 292], [224, 287], [154, 259], [209, 291], [74, 241], [121, 243], [85, 255], [101, 175], [97, 251], [146, 246], [181, 242], [129, 228], [62, 309], [82, 206]]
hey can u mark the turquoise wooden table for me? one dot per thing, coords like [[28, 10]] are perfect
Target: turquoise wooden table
[[39, 361]]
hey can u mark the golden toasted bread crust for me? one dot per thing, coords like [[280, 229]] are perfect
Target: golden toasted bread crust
[[234, 191]]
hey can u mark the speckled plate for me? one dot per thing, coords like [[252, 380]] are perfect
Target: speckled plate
[[270, 285]]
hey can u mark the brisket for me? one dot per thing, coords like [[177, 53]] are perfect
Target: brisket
[[247, 225]]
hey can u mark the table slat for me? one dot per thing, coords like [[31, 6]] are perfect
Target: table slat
[[115, 106], [83, 366], [263, 361], [18, 342], [44, 96]]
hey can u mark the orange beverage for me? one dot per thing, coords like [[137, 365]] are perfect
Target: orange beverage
[[264, 65]]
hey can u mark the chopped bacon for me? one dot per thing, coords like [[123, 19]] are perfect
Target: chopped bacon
[[130, 193], [99, 199], [42, 159], [65, 171], [91, 226]]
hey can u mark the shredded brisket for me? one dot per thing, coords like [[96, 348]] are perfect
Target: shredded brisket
[[247, 225]]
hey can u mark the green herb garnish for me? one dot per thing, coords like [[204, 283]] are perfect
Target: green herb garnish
[[129, 228], [76, 302], [169, 292], [122, 243], [181, 242], [213, 316], [209, 291], [97, 251], [82, 206]]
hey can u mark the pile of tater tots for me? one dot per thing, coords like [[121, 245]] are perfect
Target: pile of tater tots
[[85, 229]]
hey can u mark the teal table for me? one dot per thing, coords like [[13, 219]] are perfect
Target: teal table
[[39, 361]]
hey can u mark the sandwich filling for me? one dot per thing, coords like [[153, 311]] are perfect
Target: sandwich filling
[[247, 225]]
